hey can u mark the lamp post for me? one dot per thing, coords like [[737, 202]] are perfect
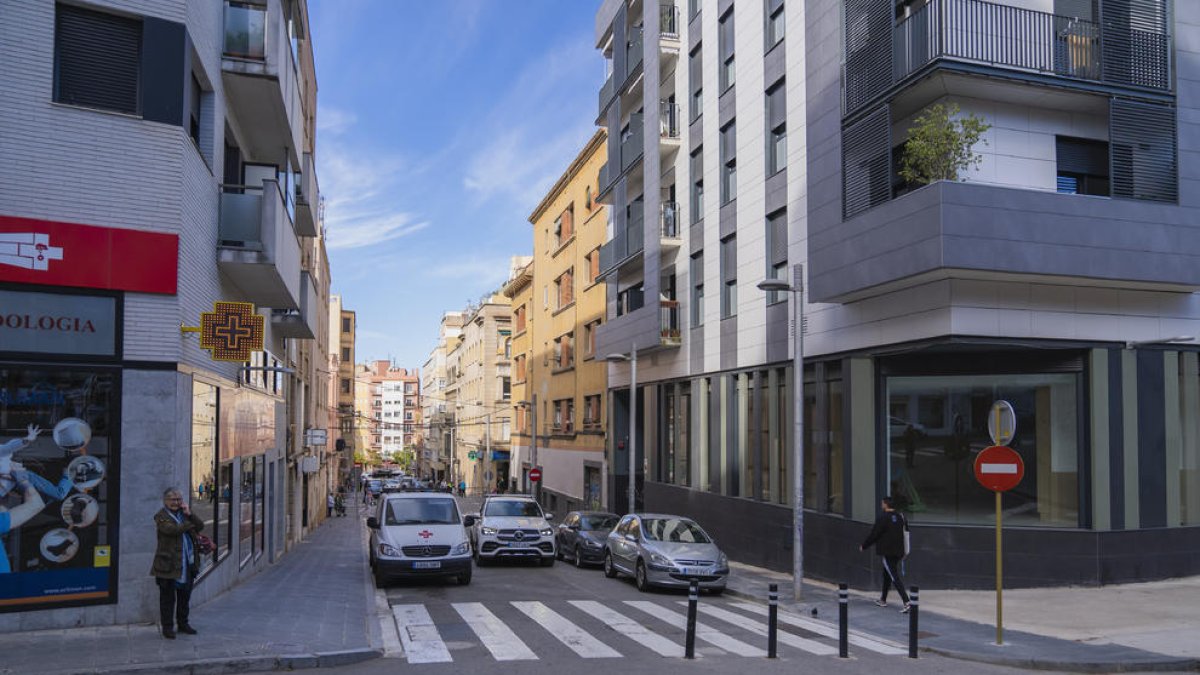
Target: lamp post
[[796, 288], [632, 359]]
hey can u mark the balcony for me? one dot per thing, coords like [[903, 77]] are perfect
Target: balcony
[[632, 141], [633, 56], [991, 34], [302, 323], [670, 234], [257, 248], [607, 93], [262, 86], [669, 126], [308, 198], [620, 250], [668, 35], [669, 334]]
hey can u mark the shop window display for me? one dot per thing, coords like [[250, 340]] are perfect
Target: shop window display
[[938, 424], [204, 464], [58, 487], [246, 511]]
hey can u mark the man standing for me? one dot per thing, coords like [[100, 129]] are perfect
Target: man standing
[[888, 537], [176, 562]]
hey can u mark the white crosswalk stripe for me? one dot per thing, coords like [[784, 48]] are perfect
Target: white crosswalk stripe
[[703, 632], [825, 630], [419, 636], [630, 628], [574, 637], [811, 646], [495, 635]]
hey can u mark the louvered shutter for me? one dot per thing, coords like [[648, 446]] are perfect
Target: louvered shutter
[[97, 59]]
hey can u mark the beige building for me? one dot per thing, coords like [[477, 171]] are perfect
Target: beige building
[[558, 303], [395, 410], [362, 421], [437, 409], [342, 327]]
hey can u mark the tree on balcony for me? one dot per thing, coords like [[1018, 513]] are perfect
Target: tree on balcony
[[941, 145]]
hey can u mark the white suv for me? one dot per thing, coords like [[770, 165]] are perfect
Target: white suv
[[512, 527]]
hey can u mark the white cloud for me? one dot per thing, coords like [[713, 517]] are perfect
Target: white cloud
[[484, 273], [334, 121]]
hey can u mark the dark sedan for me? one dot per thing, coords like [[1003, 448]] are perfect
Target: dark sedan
[[581, 536]]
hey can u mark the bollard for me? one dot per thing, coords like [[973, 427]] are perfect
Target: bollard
[[913, 613], [843, 621], [772, 618], [689, 647]]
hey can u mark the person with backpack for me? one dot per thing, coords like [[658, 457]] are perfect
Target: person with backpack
[[888, 537]]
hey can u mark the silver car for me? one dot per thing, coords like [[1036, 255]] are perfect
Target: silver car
[[664, 550]]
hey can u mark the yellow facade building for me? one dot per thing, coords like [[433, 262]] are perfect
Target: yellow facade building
[[558, 302]]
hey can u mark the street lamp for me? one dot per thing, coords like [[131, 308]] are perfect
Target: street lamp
[[796, 288], [632, 358]]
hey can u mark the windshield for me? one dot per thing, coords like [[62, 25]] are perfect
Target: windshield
[[588, 523], [422, 512], [512, 509], [674, 530]]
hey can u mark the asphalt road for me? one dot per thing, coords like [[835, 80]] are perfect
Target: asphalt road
[[519, 617]]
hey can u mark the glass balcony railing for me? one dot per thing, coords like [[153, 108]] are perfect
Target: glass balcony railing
[[668, 21], [668, 120], [633, 52], [669, 220], [632, 141], [245, 31]]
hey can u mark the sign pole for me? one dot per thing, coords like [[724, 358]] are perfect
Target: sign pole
[[999, 576]]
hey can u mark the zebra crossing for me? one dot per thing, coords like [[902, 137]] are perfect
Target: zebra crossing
[[526, 630]]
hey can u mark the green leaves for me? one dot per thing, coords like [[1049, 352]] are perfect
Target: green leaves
[[940, 145]]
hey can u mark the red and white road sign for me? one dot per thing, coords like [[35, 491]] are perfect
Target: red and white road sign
[[535, 474], [999, 468]]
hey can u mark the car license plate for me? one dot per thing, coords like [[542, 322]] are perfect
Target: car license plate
[[427, 565], [516, 544], [695, 571]]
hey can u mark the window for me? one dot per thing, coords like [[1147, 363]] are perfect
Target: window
[[693, 9], [631, 299], [725, 49], [519, 368], [246, 511], [697, 276], [697, 205], [345, 385], [777, 251], [729, 163], [591, 412], [775, 27], [224, 498], [777, 129], [97, 59], [508, 348], [587, 192], [203, 498], [589, 338], [593, 261], [564, 351], [194, 96], [346, 328], [729, 277], [1082, 166], [696, 82], [505, 388], [521, 313], [564, 226], [564, 288], [564, 416]]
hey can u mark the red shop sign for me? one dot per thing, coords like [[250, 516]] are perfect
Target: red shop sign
[[87, 256]]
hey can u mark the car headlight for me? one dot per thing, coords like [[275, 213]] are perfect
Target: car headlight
[[723, 560], [388, 550], [461, 548], [659, 559], [546, 531], [487, 530]]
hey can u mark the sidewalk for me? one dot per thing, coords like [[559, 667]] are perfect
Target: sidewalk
[[1150, 626], [309, 610]]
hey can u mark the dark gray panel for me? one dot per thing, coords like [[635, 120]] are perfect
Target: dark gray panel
[[694, 31], [696, 341], [777, 191], [732, 468], [727, 106], [696, 236], [619, 36], [729, 343], [1116, 441], [754, 449], [1152, 440], [777, 332], [728, 219], [164, 70], [775, 65], [695, 134], [868, 51], [722, 6], [1144, 154], [714, 434]]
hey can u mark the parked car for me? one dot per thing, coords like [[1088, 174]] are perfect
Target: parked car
[[415, 534], [581, 536], [897, 427], [665, 550], [512, 527]]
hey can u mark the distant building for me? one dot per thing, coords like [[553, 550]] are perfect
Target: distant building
[[342, 329], [437, 408], [395, 411]]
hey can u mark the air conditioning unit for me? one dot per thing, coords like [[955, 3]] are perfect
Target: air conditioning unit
[[309, 464]]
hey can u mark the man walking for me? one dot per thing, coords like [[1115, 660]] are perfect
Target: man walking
[[888, 537]]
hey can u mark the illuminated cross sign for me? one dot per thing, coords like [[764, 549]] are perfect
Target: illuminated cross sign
[[232, 331]]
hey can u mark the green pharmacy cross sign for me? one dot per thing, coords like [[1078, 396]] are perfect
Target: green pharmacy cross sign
[[472, 455]]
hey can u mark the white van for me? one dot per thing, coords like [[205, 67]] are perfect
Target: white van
[[419, 534]]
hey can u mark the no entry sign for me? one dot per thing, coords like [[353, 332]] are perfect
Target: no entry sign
[[535, 474], [999, 468]]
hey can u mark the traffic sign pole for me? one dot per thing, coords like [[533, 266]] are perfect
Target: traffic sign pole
[[999, 577]]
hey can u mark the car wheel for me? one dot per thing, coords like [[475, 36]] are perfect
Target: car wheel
[[609, 570], [380, 579], [464, 579], [548, 562], [480, 561], [558, 552], [717, 591], [639, 578], [578, 558]]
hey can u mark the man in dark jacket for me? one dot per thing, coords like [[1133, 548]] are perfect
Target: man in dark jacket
[[176, 561], [888, 537]]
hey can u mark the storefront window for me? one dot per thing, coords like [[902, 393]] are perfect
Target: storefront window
[[246, 511], [260, 505], [203, 497], [224, 506], [59, 537], [937, 424], [1187, 510]]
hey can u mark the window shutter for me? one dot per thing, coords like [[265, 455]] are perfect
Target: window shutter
[[776, 106], [97, 59], [777, 236], [868, 56], [866, 162], [725, 36], [695, 71], [729, 259], [1136, 43], [697, 168], [1143, 151]]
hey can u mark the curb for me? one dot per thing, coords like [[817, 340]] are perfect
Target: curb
[[247, 664]]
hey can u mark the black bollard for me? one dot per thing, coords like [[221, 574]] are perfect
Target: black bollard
[[843, 621], [772, 618], [914, 611], [689, 647]]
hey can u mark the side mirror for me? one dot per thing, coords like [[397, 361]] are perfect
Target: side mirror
[[549, 516], [630, 537], [469, 521], [373, 523], [473, 516], [576, 527]]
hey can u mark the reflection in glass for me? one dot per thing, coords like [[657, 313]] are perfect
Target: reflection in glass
[[203, 497], [246, 511], [260, 505], [224, 504], [245, 31]]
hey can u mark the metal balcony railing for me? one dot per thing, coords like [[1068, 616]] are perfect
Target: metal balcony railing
[[995, 34], [670, 334], [668, 119], [633, 52], [607, 92], [668, 21], [668, 217], [634, 236]]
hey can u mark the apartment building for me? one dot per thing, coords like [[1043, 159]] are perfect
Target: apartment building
[[366, 437], [342, 330], [437, 409], [1057, 274], [186, 132], [557, 306], [395, 411]]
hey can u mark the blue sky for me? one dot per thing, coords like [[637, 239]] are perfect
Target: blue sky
[[440, 125]]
